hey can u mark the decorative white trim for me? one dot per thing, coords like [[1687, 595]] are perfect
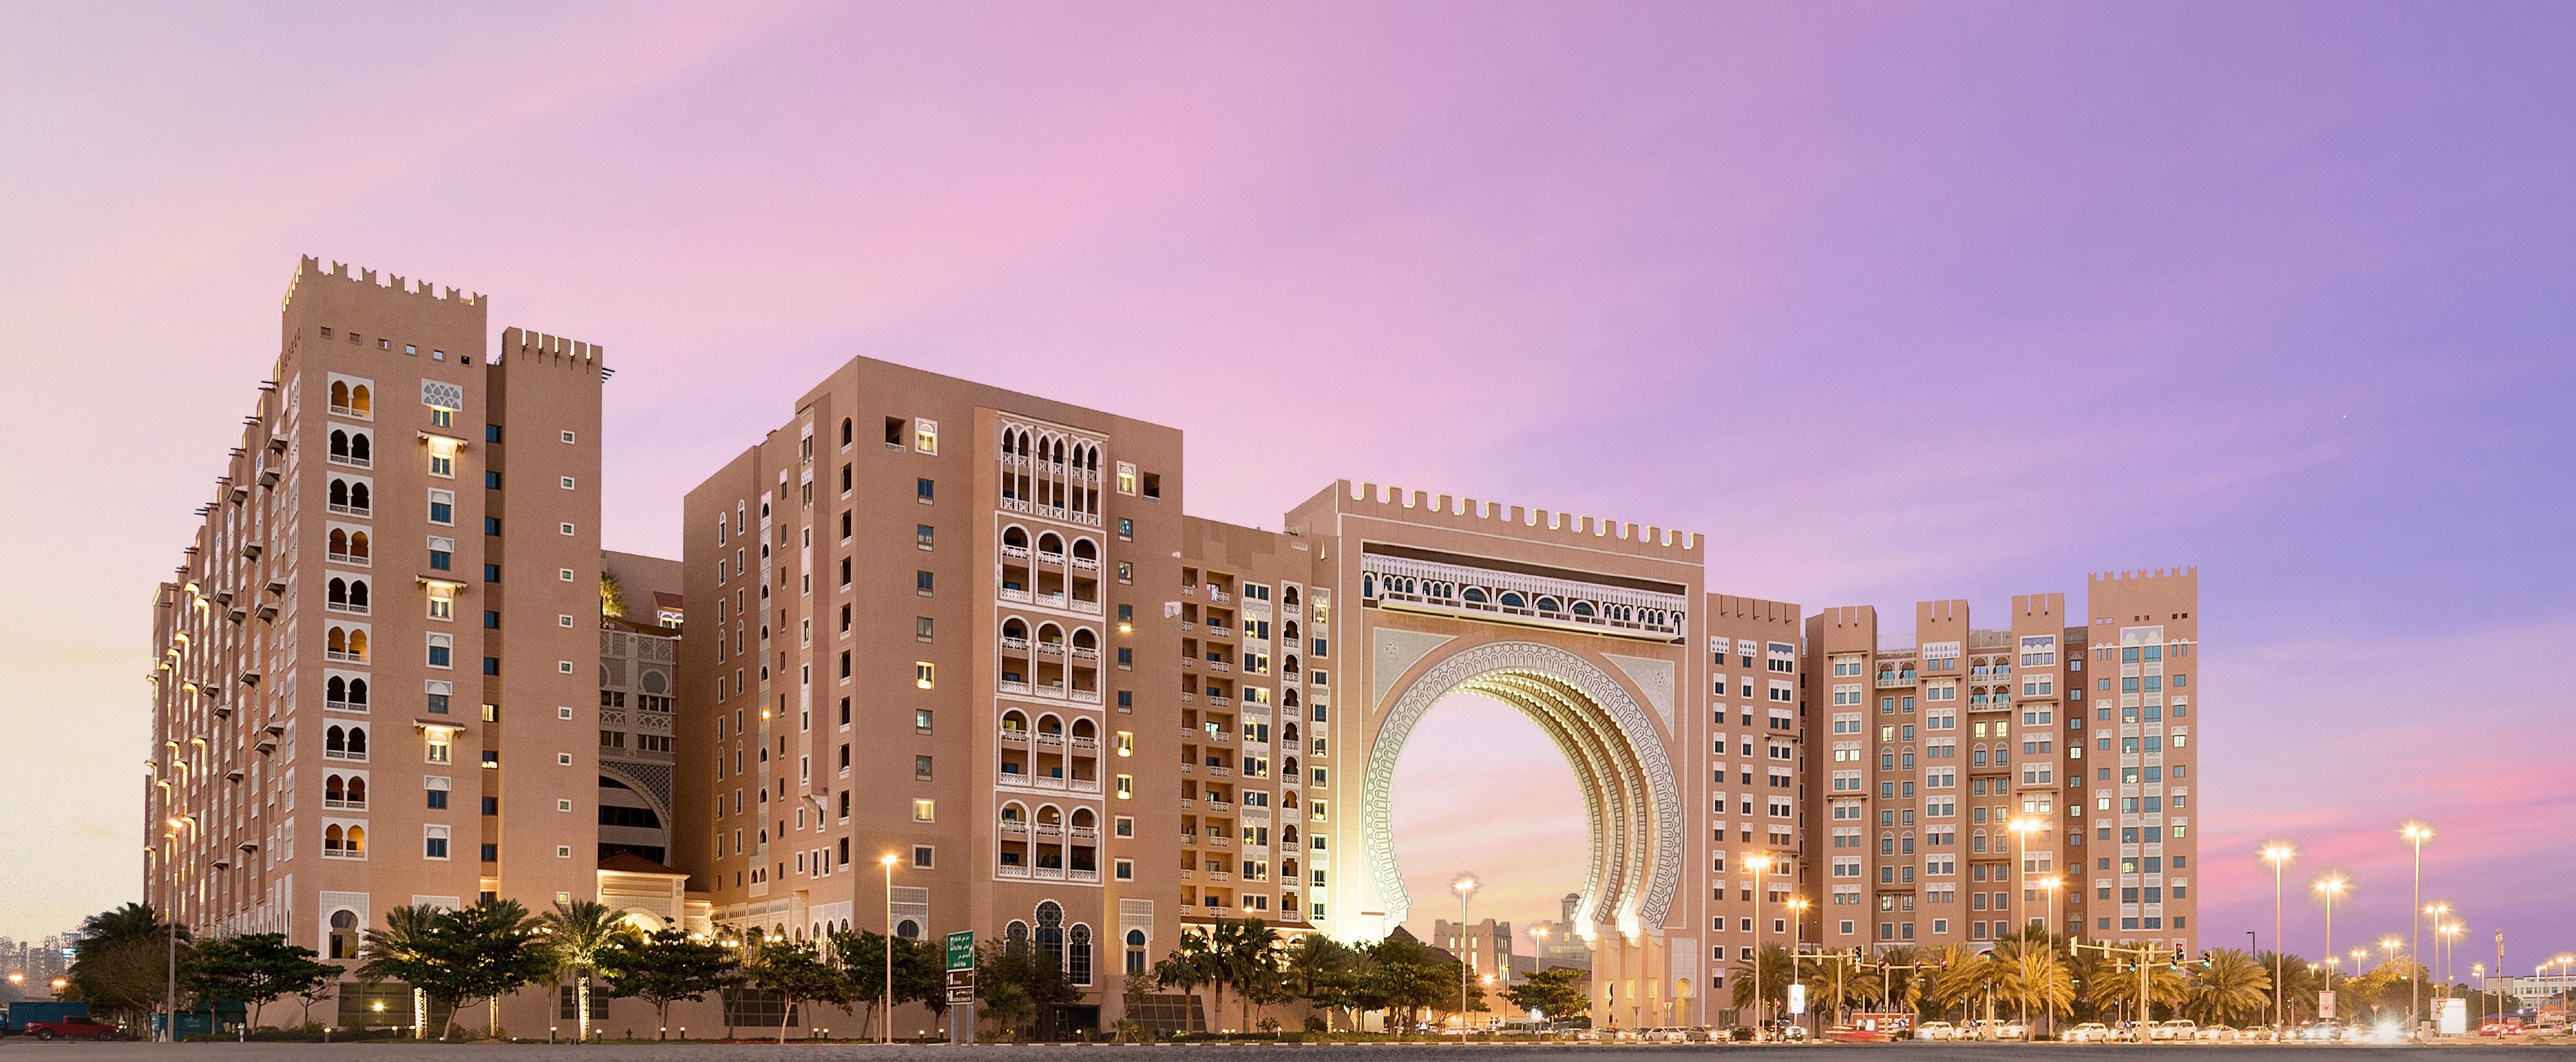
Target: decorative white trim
[[1395, 653], [1654, 678]]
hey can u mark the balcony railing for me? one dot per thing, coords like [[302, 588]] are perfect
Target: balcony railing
[[1016, 734], [1048, 874], [352, 462], [352, 510], [1051, 558], [1015, 826], [344, 655], [352, 805], [1007, 870], [1895, 679], [1016, 552], [344, 706], [1091, 876], [359, 756], [353, 559], [343, 606]]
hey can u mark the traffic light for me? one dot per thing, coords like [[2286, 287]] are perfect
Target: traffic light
[[2204, 958], [1855, 953], [2179, 957]]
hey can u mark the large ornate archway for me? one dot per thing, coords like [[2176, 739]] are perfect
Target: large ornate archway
[[1632, 801]]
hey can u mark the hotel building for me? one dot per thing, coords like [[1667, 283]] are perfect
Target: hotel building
[[373, 669], [1975, 779], [958, 660]]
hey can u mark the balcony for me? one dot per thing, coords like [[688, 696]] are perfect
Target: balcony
[[1017, 645], [1215, 631], [1050, 829], [1048, 874], [347, 461], [344, 656], [343, 606], [345, 706], [1088, 877], [1016, 552], [1015, 735], [1085, 785], [1056, 559], [1015, 594], [1086, 696], [1081, 832], [352, 805], [1080, 742], [360, 511], [355, 560], [1008, 870], [359, 756], [1888, 680], [1219, 875], [1218, 596], [1086, 564], [1049, 737]]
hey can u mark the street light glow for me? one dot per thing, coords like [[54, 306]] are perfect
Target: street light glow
[[2278, 852]]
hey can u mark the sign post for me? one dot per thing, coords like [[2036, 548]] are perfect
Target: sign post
[[961, 987]]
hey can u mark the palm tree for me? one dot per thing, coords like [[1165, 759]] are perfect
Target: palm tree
[[1901, 985], [2232, 986], [2032, 975], [130, 922], [412, 948], [1191, 965], [2115, 984], [1963, 976], [1773, 962], [580, 933], [1318, 970], [1249, 951]]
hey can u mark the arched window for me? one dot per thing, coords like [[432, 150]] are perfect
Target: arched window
[[344, 922], [340, 493], [1473, 595], [335, 740], [1085, 550], [1013, 812], [357, 842], [357, 545], [1288, 834], [358, 594], [360, 400], [1050, 932], [1583, 608], [359, 498], [1288, 698], [908, 929], [1288, 632], [1288, 733], [847, 428], [332, 789], [361, 450], [357, 691], [339, 443], [357, 794], [1085, 642], [1135, 952], [1050, 545], [1513, 599], [357, 742], [1014, 538], [339, 400], [1549, 604], [1288, 597], [1077, 965], [1015, 937], [1012, 628]]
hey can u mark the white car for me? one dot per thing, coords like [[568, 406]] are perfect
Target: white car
[[2215, 1034], [2091, 1032], [2177, 1029], [1937, 1030], [1668, 1035], [2006, 1029]]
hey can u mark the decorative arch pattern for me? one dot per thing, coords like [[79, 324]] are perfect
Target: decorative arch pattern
[[1632, 800]]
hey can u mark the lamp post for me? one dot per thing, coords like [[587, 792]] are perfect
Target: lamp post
[[2279, 854], [885, 1033], [1797, 933], [2051, 884], [2331, 887], [2450, 939], [2416, 833], [2021, 827], [1760, 863], [1465, 886]]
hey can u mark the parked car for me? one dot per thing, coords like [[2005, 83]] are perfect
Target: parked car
[[1937, 1030], [1667, 1034], [2215, 1034], [2509, 1025], [2091, 1032], [2006, 1029], [2255, 1034], [2176, 1029], [75, 1027]]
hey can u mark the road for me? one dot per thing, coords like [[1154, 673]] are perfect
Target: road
[[19, 1050]]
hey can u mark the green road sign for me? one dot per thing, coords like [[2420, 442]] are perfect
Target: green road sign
[[961, 950]]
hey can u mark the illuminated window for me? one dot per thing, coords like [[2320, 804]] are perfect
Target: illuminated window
[[923, 674], [1126, 743], [1126, 787], [1126, 478], [925, 436], [442, 748], [925, 811]]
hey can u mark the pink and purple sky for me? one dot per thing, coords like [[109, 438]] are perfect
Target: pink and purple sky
[[1891, 301]]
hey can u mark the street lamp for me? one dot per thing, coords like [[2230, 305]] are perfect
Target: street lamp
[[2279, 854], [2051, 884], [1797, 931], [2449, 937], [2416, 833], [1760, 863], [885, 1033], [1465, 886], [2332, 887]]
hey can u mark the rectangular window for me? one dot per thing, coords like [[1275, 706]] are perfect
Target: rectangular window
[[442, 507], [925, 436], [924, 674], [925, 810], [922, 489], [434, 842]]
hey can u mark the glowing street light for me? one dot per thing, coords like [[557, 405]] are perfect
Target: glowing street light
[[1465, 886], [2279, 854], [2416, 833], [1760, 863], [2332, 886], [885, 1032]]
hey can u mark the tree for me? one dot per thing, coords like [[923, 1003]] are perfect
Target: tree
[[253, 969], [1319, 970], [1557, 994], [122, 966], [2031, 975], [1194, 964], [497, 949], [668, 967], [1773, 963], [418, 947], [2230, 989], [2115, 984], [1961, 976], [579, 933], [1249, 952], [1023, 980], [612, 596], [920, 974], [799, 974]]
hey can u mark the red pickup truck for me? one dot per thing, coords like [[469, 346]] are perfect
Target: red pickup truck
[[76, 1027]]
